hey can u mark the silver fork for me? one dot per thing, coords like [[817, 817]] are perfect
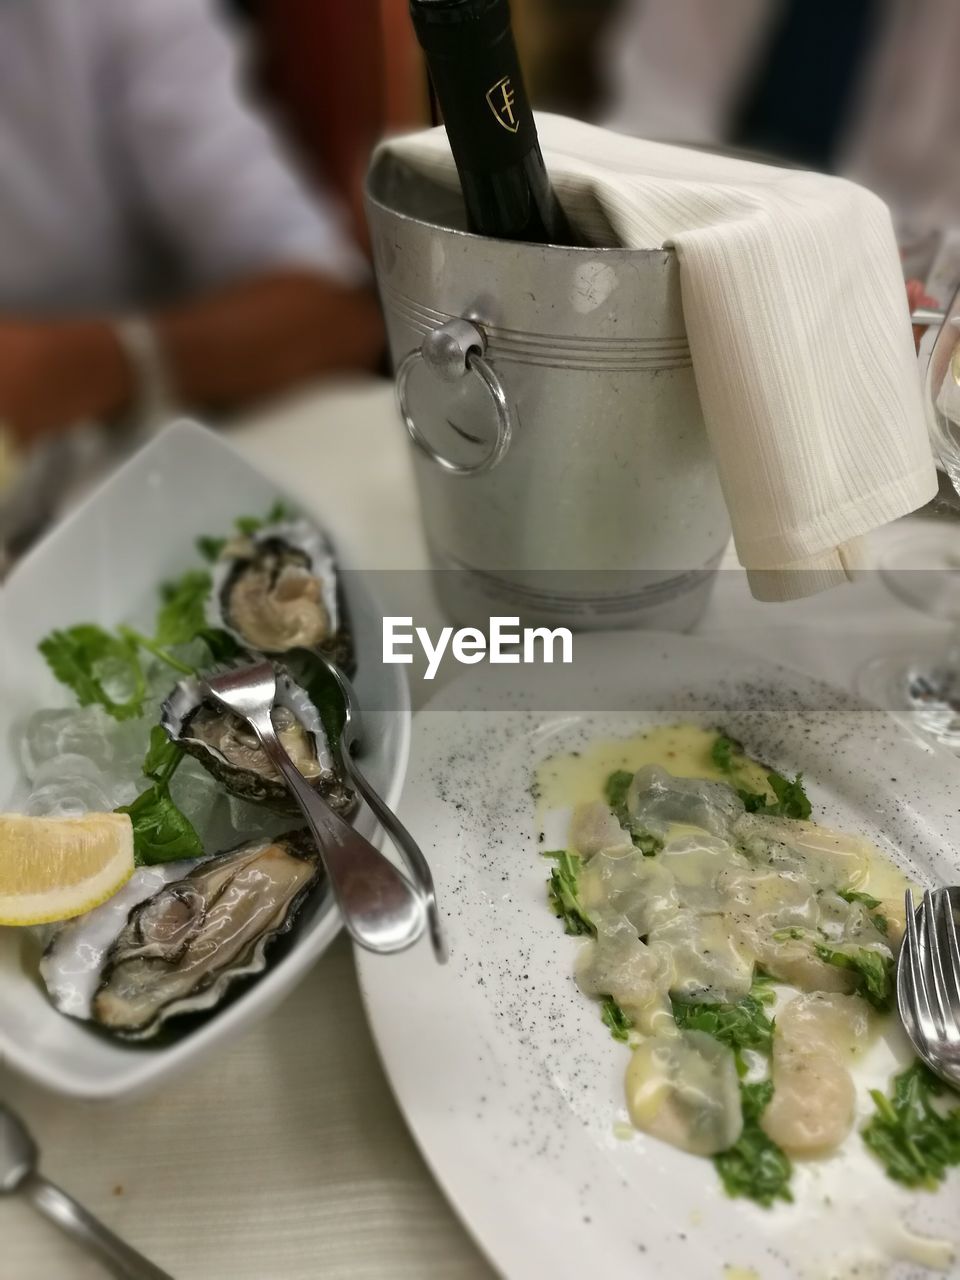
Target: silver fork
[[410, 851], [928, 981], [19, 1176], [380, 908]]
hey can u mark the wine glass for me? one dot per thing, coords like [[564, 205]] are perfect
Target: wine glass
[[923, 568]]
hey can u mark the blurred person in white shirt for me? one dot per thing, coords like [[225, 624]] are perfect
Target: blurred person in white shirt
[[866, 88], [155, 242]]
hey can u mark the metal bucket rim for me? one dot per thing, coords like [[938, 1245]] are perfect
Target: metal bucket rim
[[469, 236]]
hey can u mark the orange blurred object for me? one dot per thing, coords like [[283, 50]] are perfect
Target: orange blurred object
[[343, 75]]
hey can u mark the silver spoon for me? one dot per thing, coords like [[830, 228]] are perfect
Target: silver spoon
[[381, 909], [18, 1176], [350, 737]]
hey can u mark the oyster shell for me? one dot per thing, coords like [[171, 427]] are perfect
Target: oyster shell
[[182, 949], [276, 590], [227, 747]]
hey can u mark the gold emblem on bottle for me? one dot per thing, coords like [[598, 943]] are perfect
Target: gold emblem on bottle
[[500, 99]]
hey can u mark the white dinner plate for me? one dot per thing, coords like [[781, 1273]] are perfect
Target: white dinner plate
[[104, 564], [509, 1081]]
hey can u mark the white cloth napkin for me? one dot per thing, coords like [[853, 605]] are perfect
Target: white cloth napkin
[[798, 326]]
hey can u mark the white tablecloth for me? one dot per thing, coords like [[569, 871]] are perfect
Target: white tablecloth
[[285, 1156]]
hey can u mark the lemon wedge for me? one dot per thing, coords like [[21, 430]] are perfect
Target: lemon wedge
[[55, 868]]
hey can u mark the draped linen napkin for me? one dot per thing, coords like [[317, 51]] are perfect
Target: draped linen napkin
[[798, 326]]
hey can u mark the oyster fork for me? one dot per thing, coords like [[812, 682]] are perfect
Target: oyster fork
[[18, 1175], [928, 981], [381, 910], [350, 737]]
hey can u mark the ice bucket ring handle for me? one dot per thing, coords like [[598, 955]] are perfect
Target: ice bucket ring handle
[[452, 351]]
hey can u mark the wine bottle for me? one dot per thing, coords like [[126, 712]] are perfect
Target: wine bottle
[[477, 80]]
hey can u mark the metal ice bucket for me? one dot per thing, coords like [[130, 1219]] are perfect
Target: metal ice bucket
[[560, 451]]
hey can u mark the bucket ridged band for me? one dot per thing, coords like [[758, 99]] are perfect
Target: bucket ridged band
[[552, 350]]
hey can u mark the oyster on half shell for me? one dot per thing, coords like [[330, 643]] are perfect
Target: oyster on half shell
[[228, 748], [181, 949], [276, 590]]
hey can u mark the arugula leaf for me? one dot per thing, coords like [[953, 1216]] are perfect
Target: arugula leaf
[[853, 895], [743, 1025], [793, 931], [648, 844], [564, 893], [210, 548], [791, 799], [85, 657], [871, 904], [755, 1167], [874, 972], [753, 801], [612, 1016], [914, 1141], [615, 792], [161, 831], [723, 750]]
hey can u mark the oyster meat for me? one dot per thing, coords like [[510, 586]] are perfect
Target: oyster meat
[[74, 953], [276, 590], [182, 949], [235, 740], [229, 749]]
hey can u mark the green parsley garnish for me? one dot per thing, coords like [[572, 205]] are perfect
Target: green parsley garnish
[[163, 756], [95, 662], [252, 524], [210, 548], [161, 831], [97, 665], [182, 614]]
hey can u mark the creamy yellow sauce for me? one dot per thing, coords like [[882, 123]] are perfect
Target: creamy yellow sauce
[[568, 780]]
